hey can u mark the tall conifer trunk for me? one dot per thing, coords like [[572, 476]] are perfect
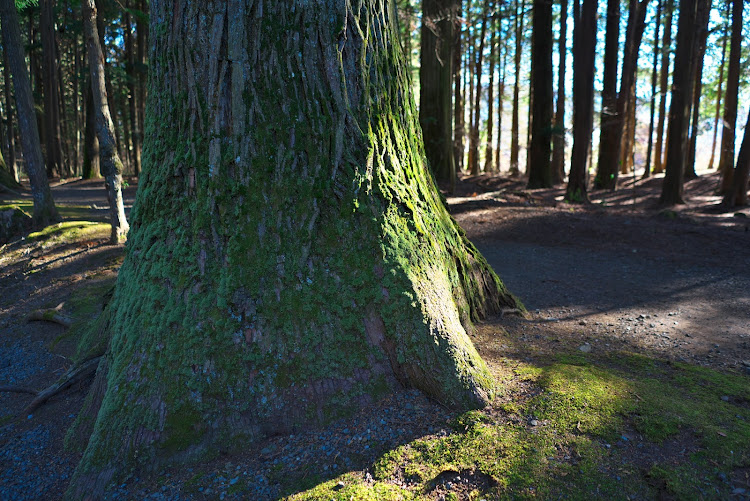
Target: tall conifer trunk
[[540, 166], [719, 91], [584, 55], [290, 258], [666, 47], [558, 139], [436, 82], [726, 158], [650, 148], [679, 109], [514, 146]]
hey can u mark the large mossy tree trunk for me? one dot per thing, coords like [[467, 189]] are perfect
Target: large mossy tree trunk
[[290, 258]]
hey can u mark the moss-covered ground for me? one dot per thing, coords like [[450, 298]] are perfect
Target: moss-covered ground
[[577, 427]]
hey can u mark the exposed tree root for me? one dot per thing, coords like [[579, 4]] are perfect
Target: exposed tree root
[[74, 375]]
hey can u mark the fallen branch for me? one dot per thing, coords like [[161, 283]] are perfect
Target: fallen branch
[[51, 315], [74, 375], [17, 389]]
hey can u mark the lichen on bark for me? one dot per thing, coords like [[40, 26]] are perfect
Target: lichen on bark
[[289, 258]]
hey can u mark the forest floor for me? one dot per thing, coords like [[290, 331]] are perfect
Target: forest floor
[[628, 379]]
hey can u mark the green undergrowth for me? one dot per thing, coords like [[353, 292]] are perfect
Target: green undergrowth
[[66, 211], [623, 427]]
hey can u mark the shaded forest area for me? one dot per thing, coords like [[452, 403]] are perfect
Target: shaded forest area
[[244, 284]]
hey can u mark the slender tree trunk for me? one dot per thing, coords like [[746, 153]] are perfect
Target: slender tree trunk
[[584, 56], [701, 28], [110, 162], [679, 109], [514, 147], [44, 207], [51, 89], [132, 94], [738, 195], [719, 91], [458, 114], [91, 168], [489, 155], [474, 128], [436, 82], [500, 102], [607, 137], [141, 29], [610, 145], [540, 167], [666, 47], [469, 78], [205, 354], [9, 117], [558, 150], [628, 142], [649, 151], [726, 159]]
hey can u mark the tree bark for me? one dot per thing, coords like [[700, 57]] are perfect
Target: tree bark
[[109, 160], [701, 28], [132, 94], [44, 207], [141, 39], [458, 114], [500, 102], [436, 82], [91, 167], [719, 91], [584, 55], [489, 155], [540, 167], [726, 158], [679, 109], [649, 151], [9, 118], [473, 160], [290, 258], [51, 88], [666, 47], [607, 137], [738, 195], [610, 145], [558, 139], [628, 140], [514, 146]]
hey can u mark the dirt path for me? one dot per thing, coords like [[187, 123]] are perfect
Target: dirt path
[[675, 284]]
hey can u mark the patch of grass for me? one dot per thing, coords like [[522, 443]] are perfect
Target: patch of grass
[[354, 486], [67, 212], [588, 429], [71, 231]]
